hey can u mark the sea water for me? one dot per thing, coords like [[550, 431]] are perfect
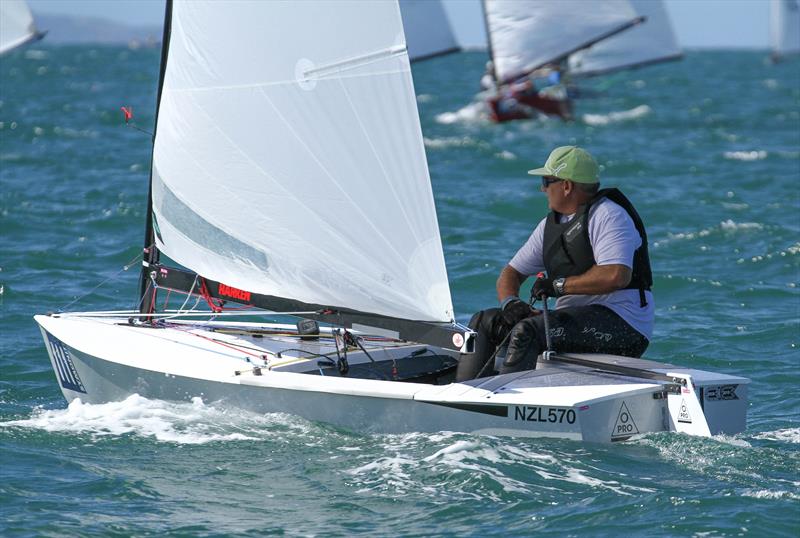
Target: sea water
[[707, 148]]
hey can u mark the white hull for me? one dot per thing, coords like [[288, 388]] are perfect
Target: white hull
[[102, 360]]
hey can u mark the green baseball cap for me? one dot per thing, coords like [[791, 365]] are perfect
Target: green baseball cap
[[572, 163]]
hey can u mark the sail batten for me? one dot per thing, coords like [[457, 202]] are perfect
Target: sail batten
[[289, 161], [527, 34]]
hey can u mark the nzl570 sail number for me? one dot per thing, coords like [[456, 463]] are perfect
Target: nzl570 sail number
[[555, 415]]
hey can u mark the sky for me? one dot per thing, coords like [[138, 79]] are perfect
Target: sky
[[697, 23]]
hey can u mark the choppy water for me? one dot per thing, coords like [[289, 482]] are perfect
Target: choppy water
[[707, 148]]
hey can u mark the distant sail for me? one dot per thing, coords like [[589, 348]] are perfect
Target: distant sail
[[527, 34], [16, 25], [427, 28], [650, 42], [784, 28], [288, 156]]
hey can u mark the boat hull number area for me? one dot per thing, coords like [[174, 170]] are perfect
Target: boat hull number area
[[721, 392], [552, 415]]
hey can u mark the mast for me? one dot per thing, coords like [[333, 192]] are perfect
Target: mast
[[150, 254]]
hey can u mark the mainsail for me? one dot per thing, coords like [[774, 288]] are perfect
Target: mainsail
[[648, 43], [288, 157], [427, 29], [526, 34], [16, 25], [784, 28]]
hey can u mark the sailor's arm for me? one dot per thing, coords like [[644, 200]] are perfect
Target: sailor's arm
[[598, 280], [509, 282]]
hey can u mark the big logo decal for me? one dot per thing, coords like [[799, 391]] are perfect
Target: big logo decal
[[65, 369]]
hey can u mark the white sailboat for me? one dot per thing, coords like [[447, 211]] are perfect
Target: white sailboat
[[528, 35], [648, 43], [784, 28], [289, 174], [525, 35], [427, 29], [16, 25]]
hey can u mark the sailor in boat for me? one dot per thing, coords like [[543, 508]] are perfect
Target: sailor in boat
[[487, 80], [593, 246]]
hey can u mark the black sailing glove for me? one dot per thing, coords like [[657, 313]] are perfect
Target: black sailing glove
[[514, 311], [543, 287]]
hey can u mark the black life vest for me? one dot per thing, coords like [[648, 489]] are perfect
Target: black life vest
[[568, 251]]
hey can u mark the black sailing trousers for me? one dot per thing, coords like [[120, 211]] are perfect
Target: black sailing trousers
[[575, 329]]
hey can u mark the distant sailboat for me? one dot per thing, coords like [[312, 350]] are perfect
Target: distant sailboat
[[526, 35], [651, 42], [289, 177], [16, 25], [784, 28], [427, 28]]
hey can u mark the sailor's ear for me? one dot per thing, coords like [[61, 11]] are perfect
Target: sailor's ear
[[568, 187]]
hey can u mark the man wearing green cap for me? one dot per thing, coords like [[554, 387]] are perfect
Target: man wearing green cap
[[593, 246]]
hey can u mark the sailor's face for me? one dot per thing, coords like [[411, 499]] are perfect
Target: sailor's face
[[554, 190]]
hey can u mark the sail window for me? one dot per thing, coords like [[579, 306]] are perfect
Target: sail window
[[197, 229]]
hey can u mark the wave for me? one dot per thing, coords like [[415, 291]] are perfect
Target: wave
[[454, 142], [787, 435], [181, 423], [471, 113], [755, 155], [483, 468], [616, 117], [725, 226]]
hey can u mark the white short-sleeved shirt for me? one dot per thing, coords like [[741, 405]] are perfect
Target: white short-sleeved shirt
[[614, 239]]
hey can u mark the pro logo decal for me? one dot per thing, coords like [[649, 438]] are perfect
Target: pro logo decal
[[624, 426]]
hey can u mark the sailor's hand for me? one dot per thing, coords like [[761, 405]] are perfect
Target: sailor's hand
[[516, 310], [543, 287]]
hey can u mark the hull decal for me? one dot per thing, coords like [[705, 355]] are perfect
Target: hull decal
[[494, 410], [67, 374], [624, 427]]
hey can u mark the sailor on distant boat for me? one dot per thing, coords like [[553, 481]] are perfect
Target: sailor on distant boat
[[593, 246]]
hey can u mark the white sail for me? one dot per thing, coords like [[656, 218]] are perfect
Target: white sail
[[650, 42], [288, 157], [16, 25], [784, 28], [427, 28], [526, 34]]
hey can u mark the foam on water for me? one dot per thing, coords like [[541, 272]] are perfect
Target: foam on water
[[788, 435], [454, 142], [745, 155], [471, 113], [182, 423], [727, 226], [616, 117]]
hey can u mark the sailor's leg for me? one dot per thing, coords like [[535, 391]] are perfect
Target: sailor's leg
[[598, 329], [486, 324], [594, 329], [524, 345]]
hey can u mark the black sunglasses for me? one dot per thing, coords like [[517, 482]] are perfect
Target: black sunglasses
[[549, 180]]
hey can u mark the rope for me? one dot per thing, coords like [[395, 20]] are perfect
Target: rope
[[124, 268]]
